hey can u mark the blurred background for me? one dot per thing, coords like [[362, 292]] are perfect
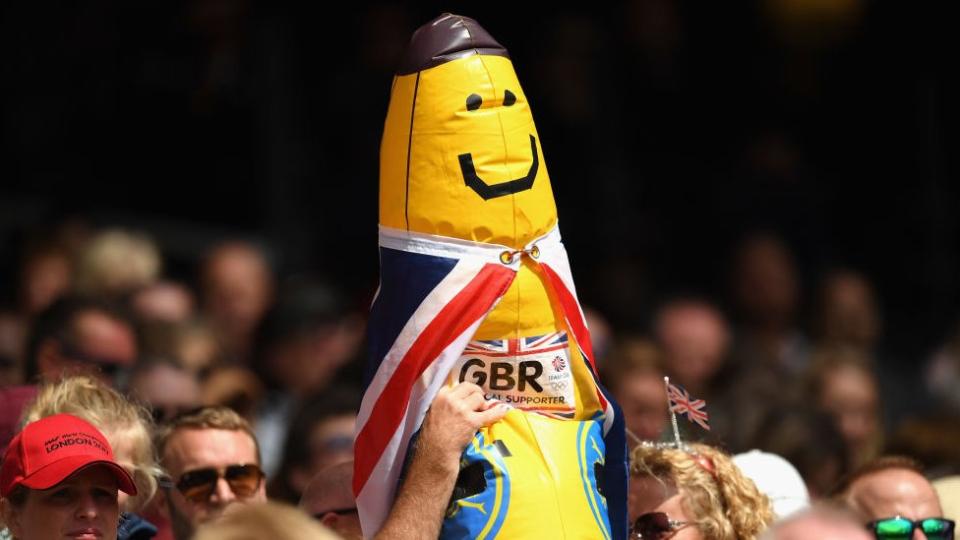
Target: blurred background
[[743, 187]]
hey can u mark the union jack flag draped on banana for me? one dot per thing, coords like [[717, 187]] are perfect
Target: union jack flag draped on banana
[[475, 285]]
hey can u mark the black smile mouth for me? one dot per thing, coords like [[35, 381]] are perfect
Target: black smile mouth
[[487, 191]]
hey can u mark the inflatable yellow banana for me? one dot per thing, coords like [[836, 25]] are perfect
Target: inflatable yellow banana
[[475, 285]]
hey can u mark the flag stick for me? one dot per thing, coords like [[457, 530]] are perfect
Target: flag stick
[[673, 415]]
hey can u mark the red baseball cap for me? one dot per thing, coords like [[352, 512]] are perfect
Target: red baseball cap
[[51, 449]]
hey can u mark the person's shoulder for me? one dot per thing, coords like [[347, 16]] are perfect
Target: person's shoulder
[[134, 527]]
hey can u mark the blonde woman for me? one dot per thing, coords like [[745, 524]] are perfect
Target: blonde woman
[[59, 479], [126, 425], [694, 492]]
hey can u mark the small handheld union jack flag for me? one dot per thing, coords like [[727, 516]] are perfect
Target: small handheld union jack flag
[[682, 403]]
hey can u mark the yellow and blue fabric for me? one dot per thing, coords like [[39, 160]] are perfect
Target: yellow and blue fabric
[[475, 285], [501, 495]]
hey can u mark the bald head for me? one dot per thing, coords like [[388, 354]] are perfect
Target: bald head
[[822, 523], [893, 492], [329, 497]]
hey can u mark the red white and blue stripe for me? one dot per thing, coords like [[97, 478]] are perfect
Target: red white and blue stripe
[[434, 294], [553, 341]]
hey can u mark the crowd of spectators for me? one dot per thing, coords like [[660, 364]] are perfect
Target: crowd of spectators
[[255, 377], [219, 375]]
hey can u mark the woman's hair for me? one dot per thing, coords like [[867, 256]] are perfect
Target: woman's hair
[[724, 504], [265, 520], [116, 416], [18, 497]]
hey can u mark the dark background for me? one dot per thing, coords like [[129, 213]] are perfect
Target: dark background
[[670, 129]]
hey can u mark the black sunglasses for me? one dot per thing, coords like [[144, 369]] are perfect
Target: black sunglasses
[[198, 485], [655, 526], [901, 528]]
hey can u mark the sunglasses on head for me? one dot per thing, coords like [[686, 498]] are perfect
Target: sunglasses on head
[[901, 528], [198, 485], [655, 526]]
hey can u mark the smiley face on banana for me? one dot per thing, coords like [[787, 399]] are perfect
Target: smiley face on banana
[[460, 155]]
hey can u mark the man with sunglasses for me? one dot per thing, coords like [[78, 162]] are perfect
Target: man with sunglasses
[[212, 459], [80, 335], [896, 502]]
